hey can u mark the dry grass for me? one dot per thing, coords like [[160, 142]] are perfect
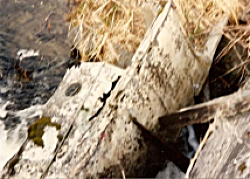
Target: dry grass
[[200, 16], [109, 26], [113, 25]]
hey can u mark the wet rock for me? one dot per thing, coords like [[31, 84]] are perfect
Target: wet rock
[[10, 122], [31, 79]]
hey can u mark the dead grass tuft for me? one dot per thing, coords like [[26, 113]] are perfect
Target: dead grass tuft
[[108, 26]]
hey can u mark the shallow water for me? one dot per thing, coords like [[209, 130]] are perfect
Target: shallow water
[[39, 27]]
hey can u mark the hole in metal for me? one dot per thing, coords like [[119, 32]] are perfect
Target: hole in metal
[[73, 89]]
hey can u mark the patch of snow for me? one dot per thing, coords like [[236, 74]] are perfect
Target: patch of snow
[[9, 145], [24, 53], [3, 111]]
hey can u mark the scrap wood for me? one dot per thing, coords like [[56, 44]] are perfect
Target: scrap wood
[[224, 150], [225, 106]]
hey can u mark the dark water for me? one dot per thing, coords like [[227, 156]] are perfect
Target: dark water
[[34, 25]]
